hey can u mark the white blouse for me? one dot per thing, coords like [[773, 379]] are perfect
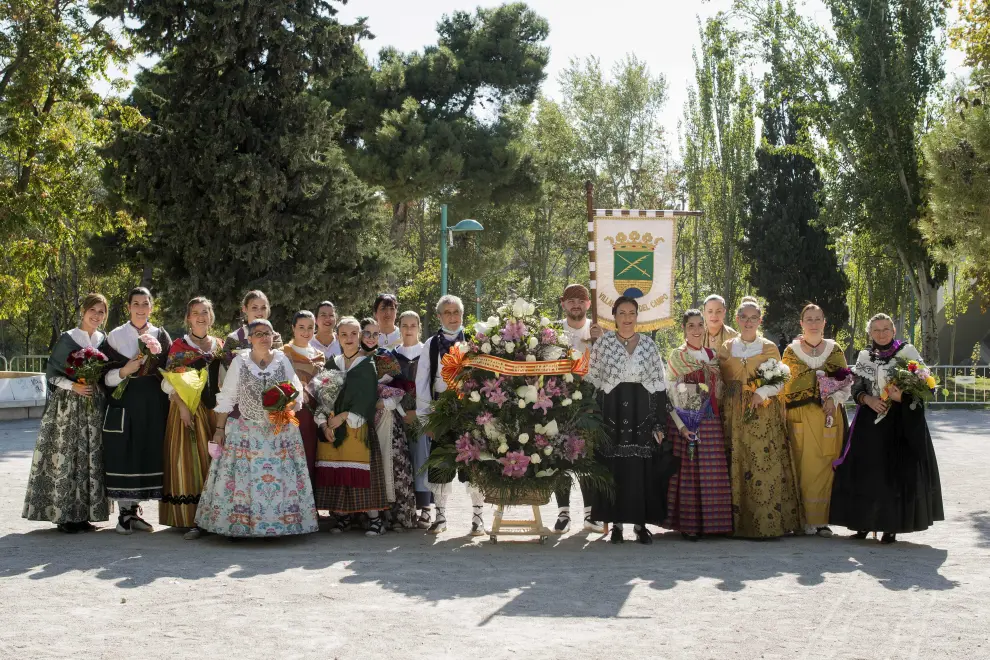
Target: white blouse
[[745, 350], [410, 352], [391, 340], [125, 341], [228, 395], [329, 350], [85, 341]]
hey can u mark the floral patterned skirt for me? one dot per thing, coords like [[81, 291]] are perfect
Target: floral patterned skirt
[[260, 484]]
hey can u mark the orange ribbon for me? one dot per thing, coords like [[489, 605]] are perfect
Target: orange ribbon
[[280, 418], [453, 362]]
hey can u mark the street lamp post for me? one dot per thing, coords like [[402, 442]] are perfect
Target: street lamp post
[[446, 237]]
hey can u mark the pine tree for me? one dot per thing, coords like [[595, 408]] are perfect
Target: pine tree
[[791, 262], [238, 172]]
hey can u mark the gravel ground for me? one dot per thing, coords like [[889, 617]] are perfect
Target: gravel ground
[[411, 595]]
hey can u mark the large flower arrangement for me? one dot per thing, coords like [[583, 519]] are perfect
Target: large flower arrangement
[[516, 413]]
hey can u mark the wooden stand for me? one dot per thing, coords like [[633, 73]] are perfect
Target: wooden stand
[[519, 527]]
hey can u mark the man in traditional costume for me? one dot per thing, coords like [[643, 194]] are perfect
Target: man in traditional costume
[[576, 301], [429, 385]]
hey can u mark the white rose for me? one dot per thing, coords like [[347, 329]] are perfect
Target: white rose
[[566, 402], [545, 322], [503, 448], [481, 328], [492, 321], [577, 396], [519, 307], [533, 342], [530, 358], [535, 459], [491, 431], [523, 438], [496, 339], [475, 397], [568, 378], [554, 353], [548, 450], [681, 387], [510, 347], [522, 404], [530, 309], [486, 348]]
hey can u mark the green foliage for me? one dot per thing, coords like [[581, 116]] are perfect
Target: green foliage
[[239, 173], [718, 142]]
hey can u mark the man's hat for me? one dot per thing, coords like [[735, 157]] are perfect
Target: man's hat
[[576, 291]]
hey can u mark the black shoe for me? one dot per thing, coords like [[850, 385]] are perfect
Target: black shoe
[[644, 535], [616, 536], [376, 527], [888, 538], [563, 524], [67, 528], [86, 526], [859, 536], [342, 525]]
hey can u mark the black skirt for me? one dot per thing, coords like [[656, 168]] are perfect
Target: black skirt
[[640, 467], [889, 480], [134, 440]]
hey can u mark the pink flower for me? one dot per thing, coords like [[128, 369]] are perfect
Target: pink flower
[[540, 441], [483, 418], [574, 448], [498, 397], [548, 336], [552, 388], [543, 402], [514, 331], [467, 449], [514, 464], [154, 348]]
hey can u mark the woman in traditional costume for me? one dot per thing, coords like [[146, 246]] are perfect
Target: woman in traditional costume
[[717, 331], [325, 339], [307, 361], [887, 478], [816, 420], [390, 430], [192, 378], [765, 499], [385, 309], [699, 498], [137, 412], [407, 355], [66, 485], [627, 372], [349, 473], [259, 484], [254, 307]]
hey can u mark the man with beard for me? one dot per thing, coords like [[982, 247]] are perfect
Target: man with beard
[[429, 385], [581, 333]]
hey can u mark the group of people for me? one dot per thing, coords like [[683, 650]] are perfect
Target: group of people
[[695, 442]]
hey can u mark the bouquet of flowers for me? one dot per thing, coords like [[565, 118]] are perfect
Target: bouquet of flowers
[[86, 366], [770, 373], [829, 384], [324, 388], [147, 347], [911, 377], [516, 413], [189, 384], [276, 400]]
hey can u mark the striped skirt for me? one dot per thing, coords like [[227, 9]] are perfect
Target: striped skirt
[[699, 497], [354, 499], [187, 462]]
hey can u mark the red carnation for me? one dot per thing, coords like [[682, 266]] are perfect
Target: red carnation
[[89, 351], [69, 371], [287, 388], [271, 397], [912, 368]]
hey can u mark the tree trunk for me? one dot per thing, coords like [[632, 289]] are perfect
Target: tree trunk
[[400, 214], [146, 279], [927, 295]]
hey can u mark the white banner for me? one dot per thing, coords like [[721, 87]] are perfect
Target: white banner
[[633, 255]]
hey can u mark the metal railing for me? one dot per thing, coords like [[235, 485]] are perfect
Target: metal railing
[[29, 363], [962, 386]]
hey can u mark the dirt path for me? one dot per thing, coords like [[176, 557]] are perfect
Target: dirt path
[[414, 596]]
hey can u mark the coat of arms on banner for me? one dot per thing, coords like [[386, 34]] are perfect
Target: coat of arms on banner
[[632, 254]]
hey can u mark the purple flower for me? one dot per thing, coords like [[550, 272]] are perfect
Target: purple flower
[[552, 388], [514, 464], [467, 449], [574, 447], [543, 402], [540, 441], [498, 397], [483, 418], [514, 331], [491, 385], [548, 336]]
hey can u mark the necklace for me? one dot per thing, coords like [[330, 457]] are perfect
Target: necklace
[[625, 340], [141, 329], [693, 348], [813, 350], [197, 337]]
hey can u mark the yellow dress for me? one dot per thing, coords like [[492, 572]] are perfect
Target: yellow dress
[[814, 445], [765, 500]]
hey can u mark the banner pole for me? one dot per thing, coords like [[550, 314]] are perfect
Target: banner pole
[[592, 257]]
